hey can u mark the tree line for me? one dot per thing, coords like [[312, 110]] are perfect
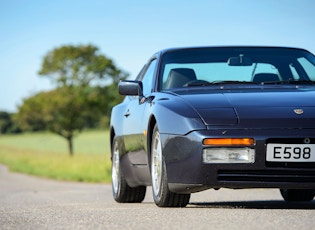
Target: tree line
[[85, 91]]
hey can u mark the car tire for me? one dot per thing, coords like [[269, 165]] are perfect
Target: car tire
[[297, 195], [122, 192], [162, 196]]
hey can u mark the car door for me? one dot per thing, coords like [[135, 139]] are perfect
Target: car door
[[134, 124]]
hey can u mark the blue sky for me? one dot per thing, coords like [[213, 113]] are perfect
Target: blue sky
[[129, 32]]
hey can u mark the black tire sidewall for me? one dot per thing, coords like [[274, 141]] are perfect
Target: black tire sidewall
[[297, 195]]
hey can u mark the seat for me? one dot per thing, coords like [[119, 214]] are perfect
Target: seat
[[265, 77], [179, 77]]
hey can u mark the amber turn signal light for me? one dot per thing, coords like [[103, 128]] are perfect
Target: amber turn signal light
[[228, 141]]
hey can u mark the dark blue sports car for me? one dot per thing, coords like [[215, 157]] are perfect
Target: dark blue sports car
[[216, 117]]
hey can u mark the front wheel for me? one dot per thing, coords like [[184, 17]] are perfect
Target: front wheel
[[297, 195], [122, 192], [162, 196]]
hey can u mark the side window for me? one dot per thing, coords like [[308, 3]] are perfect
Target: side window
[[147, 79], [309, 68]]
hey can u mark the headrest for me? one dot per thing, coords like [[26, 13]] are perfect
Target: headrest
[[179, 77], [265, 77]]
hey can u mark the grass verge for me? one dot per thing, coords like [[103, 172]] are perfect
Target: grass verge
[[45, 155]]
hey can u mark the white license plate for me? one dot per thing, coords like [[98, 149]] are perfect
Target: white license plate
[[291, 152]]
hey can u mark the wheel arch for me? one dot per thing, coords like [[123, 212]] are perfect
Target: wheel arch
[[111, 139], [150, 129]]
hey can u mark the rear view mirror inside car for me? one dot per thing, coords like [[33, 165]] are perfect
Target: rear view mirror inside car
[[240, 61]]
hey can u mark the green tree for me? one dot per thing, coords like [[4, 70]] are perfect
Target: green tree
[[79, 66], [63, 111], [29, 115], [7, 123], [79, 73]]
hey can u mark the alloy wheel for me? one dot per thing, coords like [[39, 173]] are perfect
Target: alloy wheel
[[115, 169], [156, 163]]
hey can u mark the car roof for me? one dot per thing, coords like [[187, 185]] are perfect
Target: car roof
[[163, 51]]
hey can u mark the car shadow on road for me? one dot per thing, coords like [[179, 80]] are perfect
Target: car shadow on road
[[254, 205]]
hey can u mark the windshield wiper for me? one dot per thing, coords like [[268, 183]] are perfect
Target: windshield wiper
[[232, 82], [293, 82], [205, 83]]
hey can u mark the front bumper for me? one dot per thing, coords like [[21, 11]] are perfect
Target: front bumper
[[187, 173]]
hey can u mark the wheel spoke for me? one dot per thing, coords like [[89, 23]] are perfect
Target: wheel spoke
[[156, 163], [115, 169]]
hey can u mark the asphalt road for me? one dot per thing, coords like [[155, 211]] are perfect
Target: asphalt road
[[28, 202]]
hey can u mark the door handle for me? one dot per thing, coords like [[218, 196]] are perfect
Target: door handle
[[127, 114]]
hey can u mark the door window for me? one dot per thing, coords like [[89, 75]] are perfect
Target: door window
[[147, 79]]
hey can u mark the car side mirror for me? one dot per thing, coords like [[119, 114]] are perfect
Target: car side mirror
[[130, 88]]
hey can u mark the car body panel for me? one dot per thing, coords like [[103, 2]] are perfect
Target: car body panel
[[272, 108]]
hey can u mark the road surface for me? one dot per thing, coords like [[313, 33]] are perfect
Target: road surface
[[28, 202]]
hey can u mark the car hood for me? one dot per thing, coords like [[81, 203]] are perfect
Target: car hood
[[291, 108]]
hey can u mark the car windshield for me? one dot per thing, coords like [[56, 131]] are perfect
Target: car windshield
[[235, 65]]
